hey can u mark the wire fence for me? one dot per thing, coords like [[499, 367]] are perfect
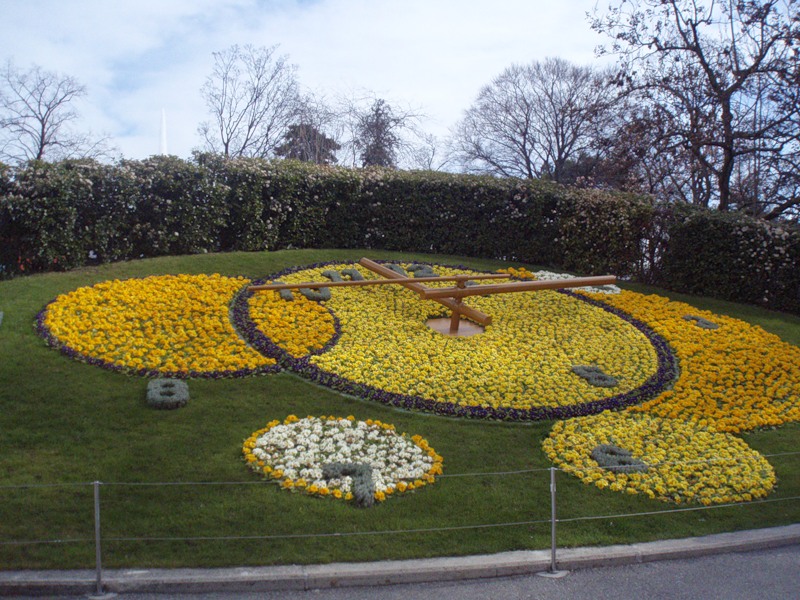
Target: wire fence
[[98, 539]]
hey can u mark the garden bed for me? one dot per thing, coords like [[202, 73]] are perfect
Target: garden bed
[[68, 422]]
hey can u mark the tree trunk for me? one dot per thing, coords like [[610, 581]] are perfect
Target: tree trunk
[[726, 169]]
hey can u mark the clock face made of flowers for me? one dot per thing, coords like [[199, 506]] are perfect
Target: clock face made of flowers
[[546, 355]]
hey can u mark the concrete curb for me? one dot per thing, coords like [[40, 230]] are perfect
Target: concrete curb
[[300, 577]]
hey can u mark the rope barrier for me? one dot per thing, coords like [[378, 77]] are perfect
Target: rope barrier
[[24, 486], [678, 510], [528, 523], [338, 534], [493, 473], [34, 542], [442, 476], [398, 531], [327, 535]]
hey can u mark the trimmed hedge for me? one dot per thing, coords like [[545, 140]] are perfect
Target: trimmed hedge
[[448, 214], [604, 233], [733, 257], [39, 224], [57, 216], [178, 207]]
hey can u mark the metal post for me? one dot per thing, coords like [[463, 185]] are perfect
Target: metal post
[[553, 520], [553, 570], [98, 564]]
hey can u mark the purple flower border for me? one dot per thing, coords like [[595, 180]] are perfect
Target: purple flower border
[[664, 376], [247, 328]]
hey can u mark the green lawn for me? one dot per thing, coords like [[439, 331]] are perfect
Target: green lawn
[[63, 422]]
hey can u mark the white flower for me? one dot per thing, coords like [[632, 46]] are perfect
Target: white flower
[[603, 289], [300, 449]]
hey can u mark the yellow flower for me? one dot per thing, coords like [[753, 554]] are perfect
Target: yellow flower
[[168, 324], [298, 326], [735, 378], [523, 360], [677, 461]]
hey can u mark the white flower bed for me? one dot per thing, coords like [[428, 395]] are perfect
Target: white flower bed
[[602, 289], [294, 452]]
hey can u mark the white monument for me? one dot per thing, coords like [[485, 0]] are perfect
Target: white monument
[[163, 146]]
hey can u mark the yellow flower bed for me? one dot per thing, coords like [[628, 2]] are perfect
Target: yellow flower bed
[[177, 324], [524, 359], [685, 462], [518, 273], [735, 378], [299, 326]]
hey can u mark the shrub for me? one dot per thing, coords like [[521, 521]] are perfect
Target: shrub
[[701, 322], [421, 271], [286, 293], [317, 295], [105, 216], [595, 376], [733, 257], [257, 206], [602, 232], [63, 215], [180, 207], [352, 274], [332, 275], [39, 219]]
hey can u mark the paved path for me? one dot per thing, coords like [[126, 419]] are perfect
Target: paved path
[[752, 564], [761, 574]]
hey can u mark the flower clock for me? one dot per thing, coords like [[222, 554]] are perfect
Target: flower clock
[[649, 394]]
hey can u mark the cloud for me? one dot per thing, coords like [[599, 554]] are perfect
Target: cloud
[[139, 57]]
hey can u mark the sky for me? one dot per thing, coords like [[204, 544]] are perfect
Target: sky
[[140, 59]]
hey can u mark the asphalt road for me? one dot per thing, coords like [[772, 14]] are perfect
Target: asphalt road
[[764, 575]]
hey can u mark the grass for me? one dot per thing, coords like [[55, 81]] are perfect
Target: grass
[[66, 423]]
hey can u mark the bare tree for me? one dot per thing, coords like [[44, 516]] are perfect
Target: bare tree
[[36, 110], [652, 143], [495, 135], [532, 120], [766, 179], [376, 133], [252, 96], [311, 138], [429, 153], [723, 74]]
